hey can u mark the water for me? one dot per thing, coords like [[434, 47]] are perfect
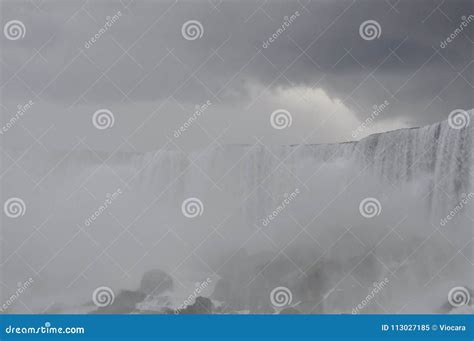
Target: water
[[318, 244]]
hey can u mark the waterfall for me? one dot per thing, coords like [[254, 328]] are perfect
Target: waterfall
[[316, 235]]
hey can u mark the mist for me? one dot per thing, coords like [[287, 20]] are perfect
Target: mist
[[343, 218]]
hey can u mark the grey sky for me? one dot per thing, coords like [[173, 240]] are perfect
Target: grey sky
[[151, 78]]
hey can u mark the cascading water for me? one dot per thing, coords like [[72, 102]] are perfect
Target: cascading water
[[317, 243]]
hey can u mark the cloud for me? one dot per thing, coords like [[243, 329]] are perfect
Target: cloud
[[143, 60], [315, 117]]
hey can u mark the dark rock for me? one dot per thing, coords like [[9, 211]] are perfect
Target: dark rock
[[202, 305]]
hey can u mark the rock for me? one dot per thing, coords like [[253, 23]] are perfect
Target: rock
[[155, 282], [202, 305]]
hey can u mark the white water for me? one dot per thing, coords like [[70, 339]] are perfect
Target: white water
[[319, 246]]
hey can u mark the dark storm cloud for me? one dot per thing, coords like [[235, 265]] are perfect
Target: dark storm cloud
[[322, 48]]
